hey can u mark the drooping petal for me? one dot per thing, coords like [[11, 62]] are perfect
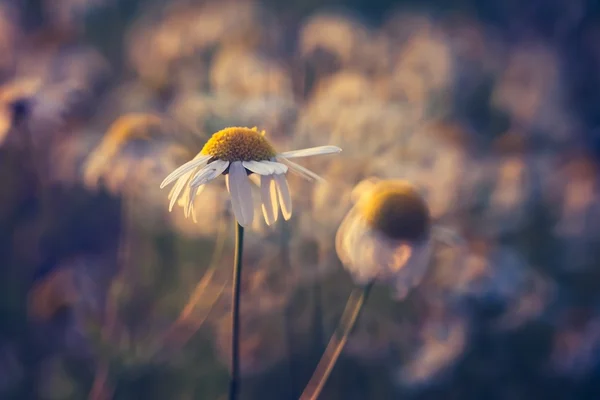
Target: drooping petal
[[198, 161], [179, 186], [302, 171], [313, 151], [190, 206], [269, 200], [278, 168], [258, 167], [285, 200], [241, 194], [265, 167], [209, 172]]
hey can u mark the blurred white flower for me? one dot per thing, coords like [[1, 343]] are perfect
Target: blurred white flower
[[386, 236], [532, 92], [239, 72], [343, 36], [443, 342]]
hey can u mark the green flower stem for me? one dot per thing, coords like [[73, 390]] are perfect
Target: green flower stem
[[336, 344], [234, 383]]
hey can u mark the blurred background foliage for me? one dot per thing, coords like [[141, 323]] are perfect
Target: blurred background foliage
[[490, 106]]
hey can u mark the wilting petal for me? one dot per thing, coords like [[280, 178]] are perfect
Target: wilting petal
[[208, 173], [198, 161], [176, 191], [278, 168], [285, 201], [313, 151], [268, 193], [258, 167], [190, 206], [241, 194]]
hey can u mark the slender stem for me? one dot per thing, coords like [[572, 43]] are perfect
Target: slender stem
[[336, 343], [235, 313]]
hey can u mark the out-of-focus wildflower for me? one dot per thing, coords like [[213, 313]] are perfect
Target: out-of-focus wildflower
[[385, 237], [530, 304], [187, 34], [532, 92], [422, 74], [571, 195], [28, 103], [206, 113], [443, 342], [237, 152], [134, 147], [510, 176], [577, 184], [242, 73], [137, 149], [348, 42], [344, 87], [435, 157], [344, 108]]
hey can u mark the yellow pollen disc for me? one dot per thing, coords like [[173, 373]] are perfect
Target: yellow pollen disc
[[396, 209], [239, 144]]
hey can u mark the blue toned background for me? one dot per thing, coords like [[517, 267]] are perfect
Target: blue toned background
[[490, 107]]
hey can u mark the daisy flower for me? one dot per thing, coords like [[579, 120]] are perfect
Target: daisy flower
[[385, 236], [238, 152]]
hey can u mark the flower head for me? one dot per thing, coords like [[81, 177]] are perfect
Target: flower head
[[385, 236], [237, 152], [395, 209], [239, 144]]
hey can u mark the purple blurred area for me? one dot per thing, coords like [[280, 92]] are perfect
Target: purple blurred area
[[491, 108]]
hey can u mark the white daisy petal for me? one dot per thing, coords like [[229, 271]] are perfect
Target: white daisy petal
[[190, 206], [313, 151], [304, 172], [254, 178], [283, 191], [278, 167], [198, 161], [241, 194], [176, 191], [259, 167], [209, 172], [269, 200]]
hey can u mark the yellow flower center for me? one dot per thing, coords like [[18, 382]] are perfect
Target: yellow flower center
[[396, 209], [239, 144]]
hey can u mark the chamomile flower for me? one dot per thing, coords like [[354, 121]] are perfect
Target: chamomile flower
[[237, 152], [385, 236]]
